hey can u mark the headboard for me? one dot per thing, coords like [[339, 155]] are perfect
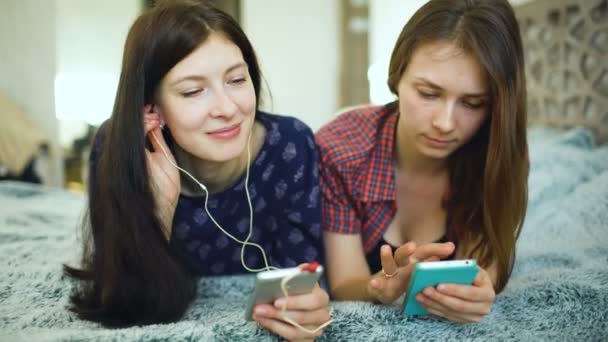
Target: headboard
[[566, 52]]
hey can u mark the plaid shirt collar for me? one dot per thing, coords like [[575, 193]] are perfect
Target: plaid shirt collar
[[378, 175]]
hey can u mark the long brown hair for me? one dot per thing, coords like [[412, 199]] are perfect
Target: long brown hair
[[131, 275], [488, 176]]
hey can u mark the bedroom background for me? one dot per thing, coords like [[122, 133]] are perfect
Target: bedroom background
[[60, 62]]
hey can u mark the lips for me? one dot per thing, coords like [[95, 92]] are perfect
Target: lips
[[437, 142], [228, 132]]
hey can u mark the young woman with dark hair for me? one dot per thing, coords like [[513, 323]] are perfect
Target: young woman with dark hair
[[188, 97]]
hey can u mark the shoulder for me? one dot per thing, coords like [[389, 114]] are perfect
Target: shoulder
[[348, 140], [288, 158], [285, 130]]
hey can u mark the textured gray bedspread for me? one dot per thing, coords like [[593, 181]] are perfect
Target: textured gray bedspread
[[558, 291]]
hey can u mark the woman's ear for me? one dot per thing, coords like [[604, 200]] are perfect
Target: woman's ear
[[156, 109], [152, 112]]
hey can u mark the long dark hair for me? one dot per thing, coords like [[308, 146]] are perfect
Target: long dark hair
[[488, 176], [130, 273]]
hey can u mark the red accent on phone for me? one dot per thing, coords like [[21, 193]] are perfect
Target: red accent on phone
[[311, 267]]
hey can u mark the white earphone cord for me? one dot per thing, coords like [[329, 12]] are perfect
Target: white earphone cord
[[204, 188], [246, 241]]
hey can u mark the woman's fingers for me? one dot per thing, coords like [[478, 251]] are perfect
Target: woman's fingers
[[468, 303], [151, 119], [316, 299], [389, 266], [454, 310], [286, 330], [272, 319], [429, 250], [465, 306], [409, 253], [387, 289], [404, 252], [469, 293], [385, 286], [303, 317], [150, 125], [155, 135], [454, 318], [310, 311], [153, 129]]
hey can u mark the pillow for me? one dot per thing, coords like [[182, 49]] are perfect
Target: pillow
[[20, 138]]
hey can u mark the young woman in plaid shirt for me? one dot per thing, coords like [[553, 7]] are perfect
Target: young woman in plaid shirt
[[440, 173]]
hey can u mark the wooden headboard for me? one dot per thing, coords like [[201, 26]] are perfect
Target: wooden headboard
[[566, 52]]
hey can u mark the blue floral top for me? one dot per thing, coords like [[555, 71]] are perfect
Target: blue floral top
[[284, 190]]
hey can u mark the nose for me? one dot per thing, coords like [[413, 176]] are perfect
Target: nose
[[444, 121], [224, 105]]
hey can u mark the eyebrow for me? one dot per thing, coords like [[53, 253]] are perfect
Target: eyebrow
[[202, 78], [437, 87]]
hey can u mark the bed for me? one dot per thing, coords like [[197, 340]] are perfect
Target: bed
[[558, 291], [559, 287]]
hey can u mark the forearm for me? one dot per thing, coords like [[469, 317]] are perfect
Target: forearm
[[347, 270], [354, 289]]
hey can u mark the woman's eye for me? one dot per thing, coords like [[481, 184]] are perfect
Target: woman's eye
[[474, 105], [427, 95], [191, 93], [237, 80]]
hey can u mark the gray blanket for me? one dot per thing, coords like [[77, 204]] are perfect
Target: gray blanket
[[558, 291]]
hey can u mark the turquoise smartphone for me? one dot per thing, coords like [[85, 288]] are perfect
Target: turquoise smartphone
[[433, 273]]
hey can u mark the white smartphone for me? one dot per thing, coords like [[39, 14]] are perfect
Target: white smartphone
[[268, 286], [433, 273]]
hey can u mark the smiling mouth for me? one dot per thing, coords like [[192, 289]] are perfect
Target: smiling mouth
[[227, 132], [226, 129]]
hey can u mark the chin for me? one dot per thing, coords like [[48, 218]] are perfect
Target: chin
[[225, 154], [438, 156], [229, 151], [434, 153]]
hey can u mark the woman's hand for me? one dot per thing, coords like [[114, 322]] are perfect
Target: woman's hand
[[164, 177], [390, 283], [309, 310], [460, 303]]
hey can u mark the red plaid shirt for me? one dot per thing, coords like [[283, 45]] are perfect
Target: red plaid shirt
[[357, 172]]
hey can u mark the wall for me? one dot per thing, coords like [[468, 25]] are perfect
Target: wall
[[297, 43], [387, 18], [72, 44], [519, 2], [27, 69], [90, 39]]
